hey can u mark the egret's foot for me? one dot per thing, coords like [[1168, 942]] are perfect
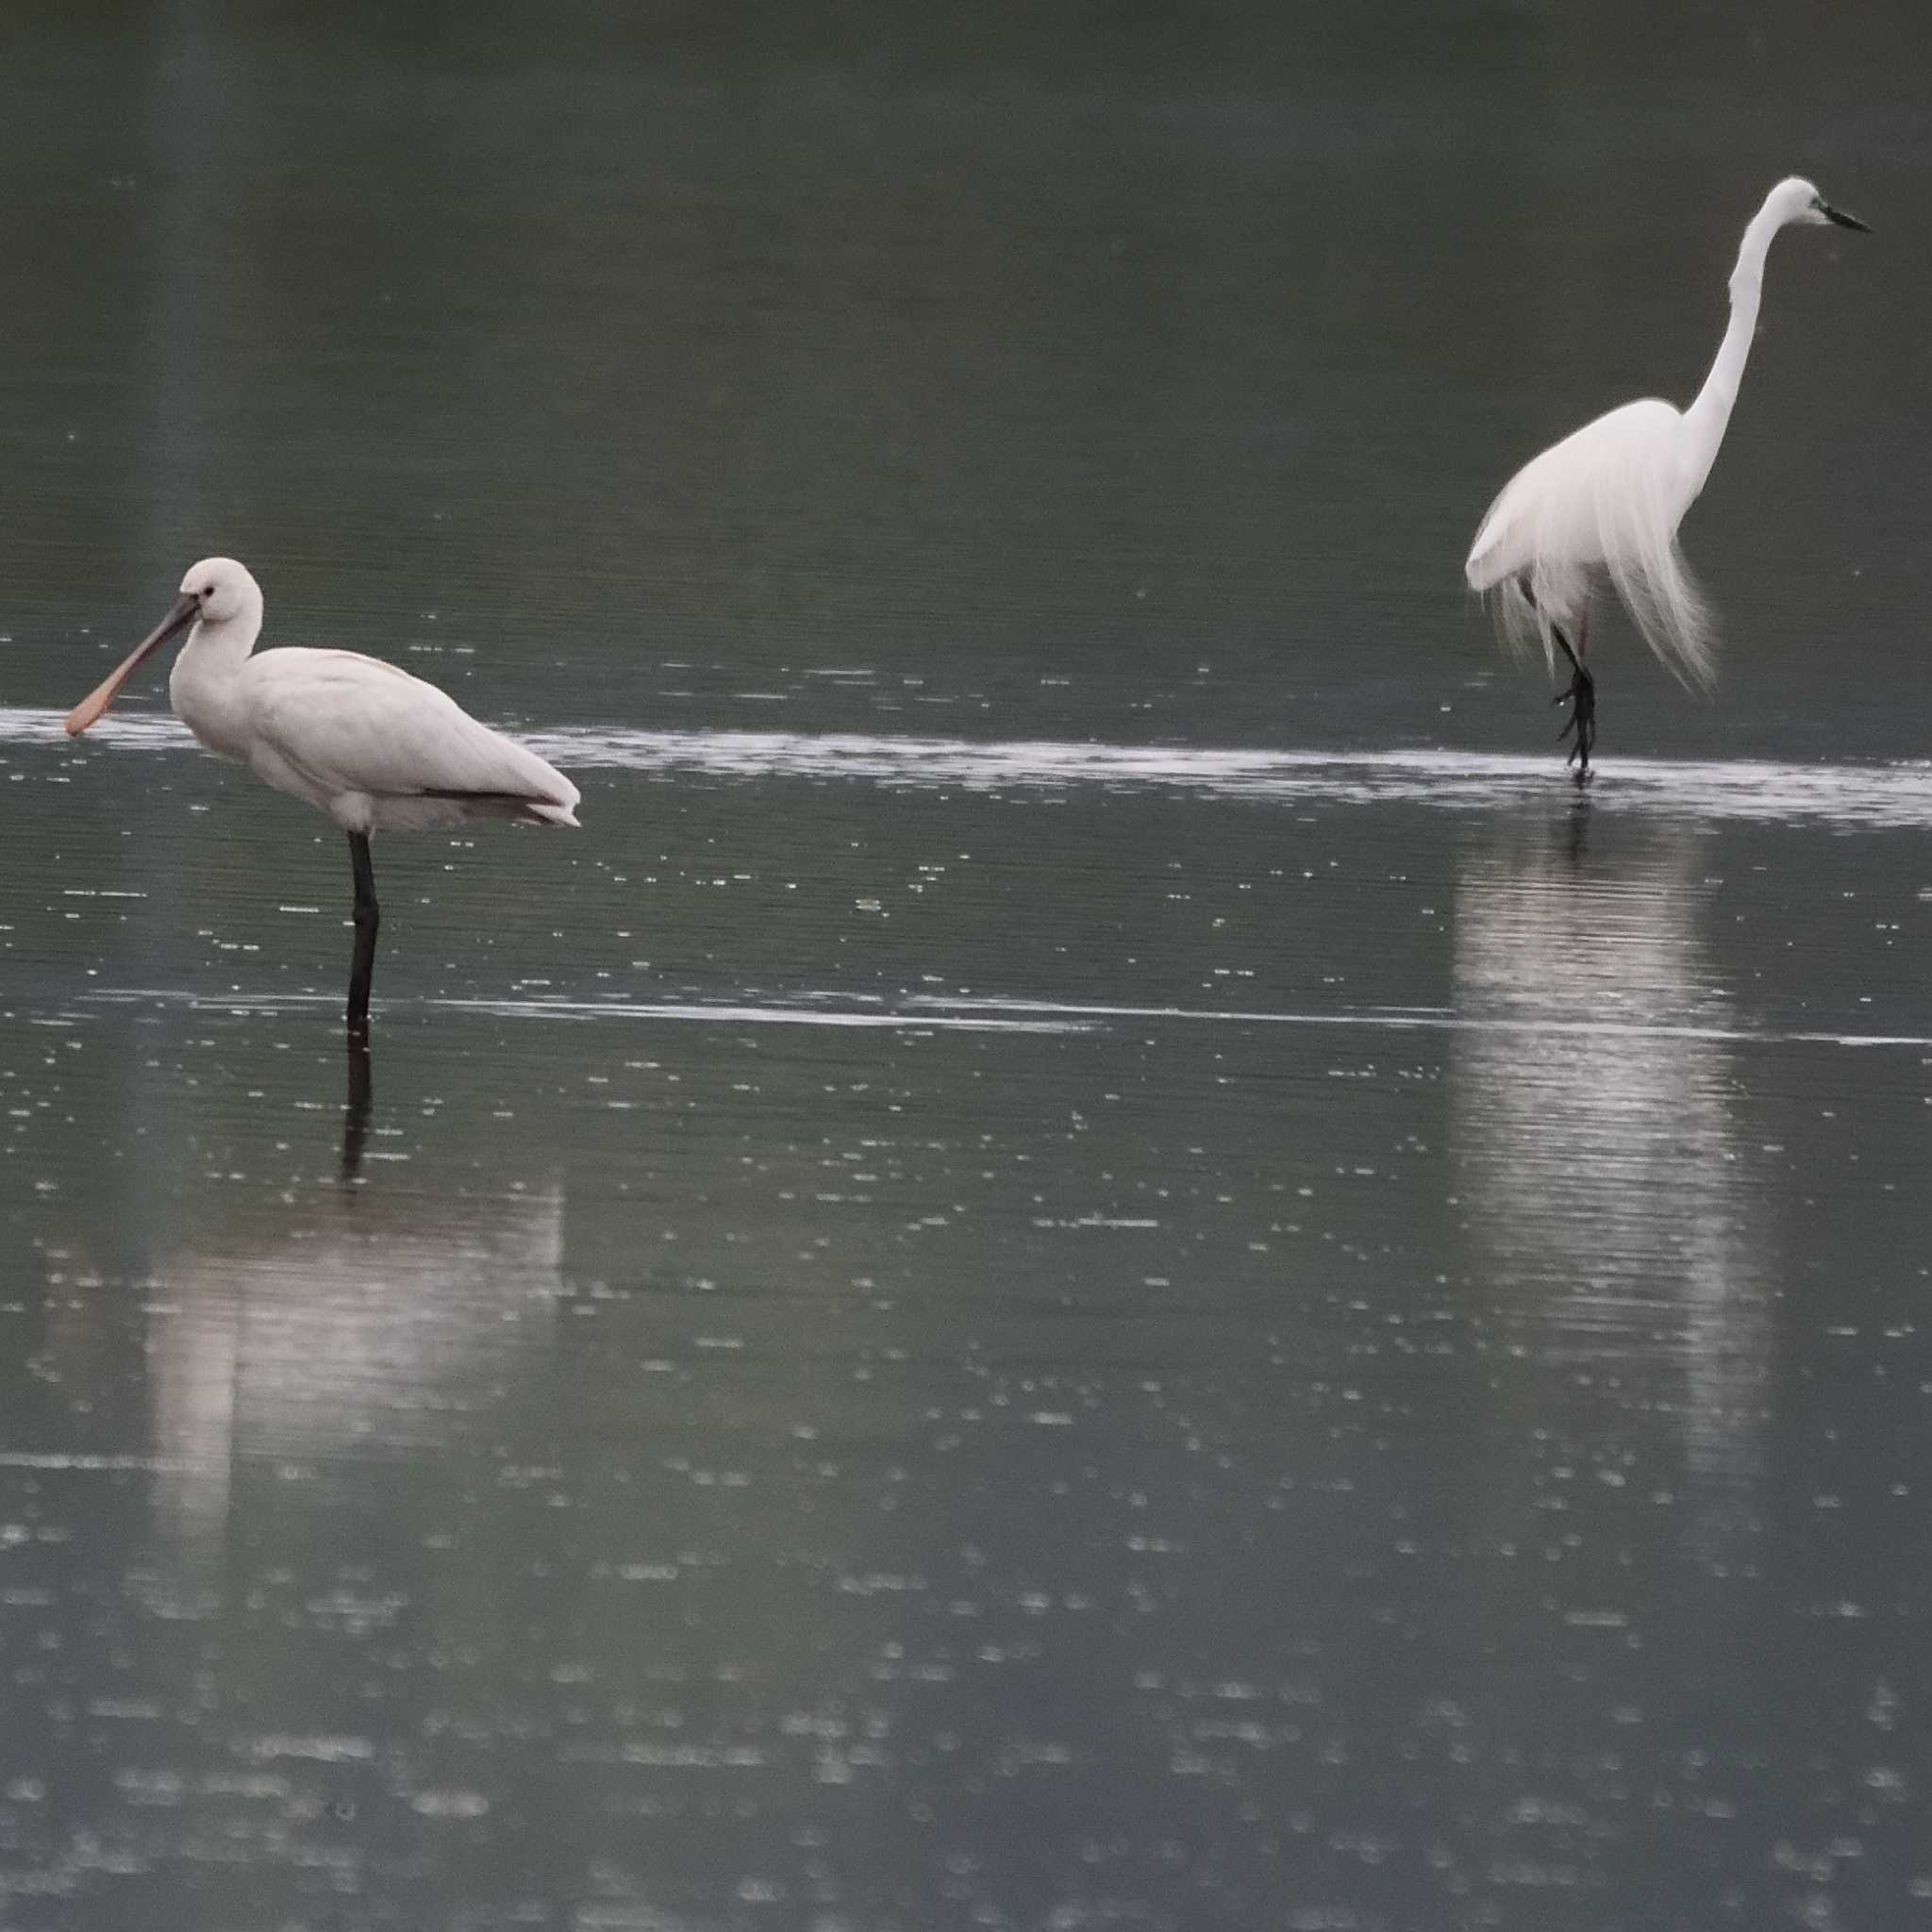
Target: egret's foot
[[1581, 698]]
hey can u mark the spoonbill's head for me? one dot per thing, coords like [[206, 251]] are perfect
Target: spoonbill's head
[[216, 592], [1797, 200], [220, 589]]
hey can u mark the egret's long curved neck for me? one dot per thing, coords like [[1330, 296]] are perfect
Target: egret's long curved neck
[[1707, 418]]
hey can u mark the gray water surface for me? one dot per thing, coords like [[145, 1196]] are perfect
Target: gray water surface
[[1367, 1362], [1095, 1258]]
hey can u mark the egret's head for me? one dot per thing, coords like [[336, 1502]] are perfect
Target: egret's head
[[1796, 199], [220, 589]]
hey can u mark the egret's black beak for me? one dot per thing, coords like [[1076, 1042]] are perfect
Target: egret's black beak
[[1839, 216], [187, 608]]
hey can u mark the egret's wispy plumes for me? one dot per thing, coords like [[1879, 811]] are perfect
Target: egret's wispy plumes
[[1604, 493]]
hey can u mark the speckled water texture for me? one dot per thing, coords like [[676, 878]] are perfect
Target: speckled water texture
[[1095, 1259]]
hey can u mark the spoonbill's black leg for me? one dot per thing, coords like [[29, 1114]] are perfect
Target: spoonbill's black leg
[[355, 1106], [368, 917]]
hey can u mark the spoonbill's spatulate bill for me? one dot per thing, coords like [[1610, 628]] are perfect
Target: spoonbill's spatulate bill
[[1607, 502], [377, 750]]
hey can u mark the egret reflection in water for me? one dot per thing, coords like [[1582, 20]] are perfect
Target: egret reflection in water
[[1595, 1146]]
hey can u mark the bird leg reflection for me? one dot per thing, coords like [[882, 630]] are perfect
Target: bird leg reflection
[[356, 1104], [368, 917], [1579, 843]]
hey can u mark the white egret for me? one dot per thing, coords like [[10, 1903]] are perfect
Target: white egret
[[1607, 502], [377, 750]]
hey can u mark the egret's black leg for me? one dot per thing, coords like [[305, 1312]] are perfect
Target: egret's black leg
[[368, 917], [1581, 697]]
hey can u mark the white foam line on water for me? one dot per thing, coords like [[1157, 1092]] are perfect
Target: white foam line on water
[[777, 1013], [931, 1013], [85, 1462], [1438, 1020], [1879, 795]]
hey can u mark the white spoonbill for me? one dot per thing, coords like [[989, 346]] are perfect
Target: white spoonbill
[[1607, 502], [377, 750]]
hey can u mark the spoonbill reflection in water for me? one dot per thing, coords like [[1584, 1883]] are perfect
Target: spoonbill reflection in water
[[1607, 502], [377, 750]]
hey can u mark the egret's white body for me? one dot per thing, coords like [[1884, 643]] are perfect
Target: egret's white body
[[377, 750], [1607, 500]]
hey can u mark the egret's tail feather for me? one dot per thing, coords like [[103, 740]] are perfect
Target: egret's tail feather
[[1639, 505], [1663, 598], [1521, 623], [1529, 606]]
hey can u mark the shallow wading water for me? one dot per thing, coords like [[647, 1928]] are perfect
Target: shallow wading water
[[1373, 1362], [1094, 1258]]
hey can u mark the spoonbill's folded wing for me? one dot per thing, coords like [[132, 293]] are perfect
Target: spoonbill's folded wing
[[350, 724]]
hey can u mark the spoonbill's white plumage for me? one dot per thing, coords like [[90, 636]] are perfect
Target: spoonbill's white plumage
[[1607, 502], [376, 749]]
